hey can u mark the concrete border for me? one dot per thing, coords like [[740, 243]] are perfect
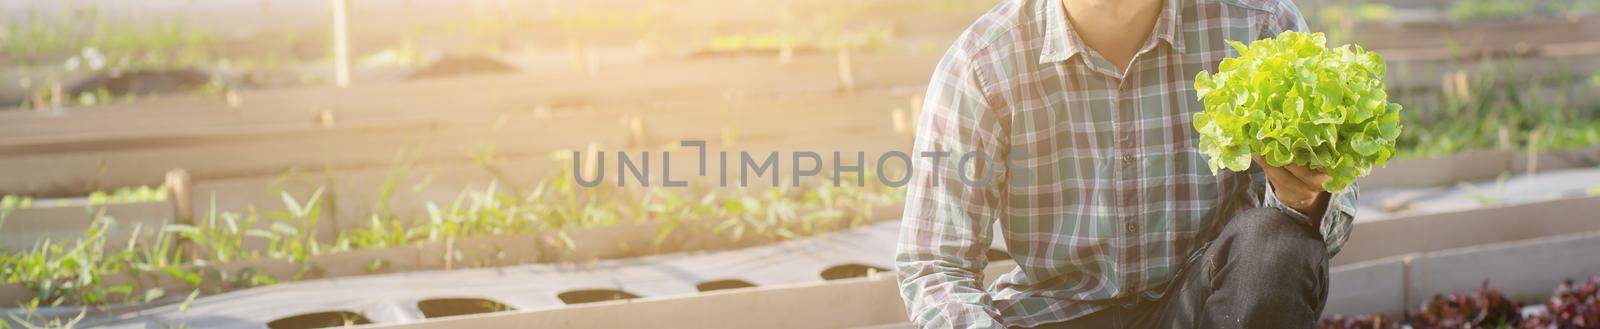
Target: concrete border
[[1377, 239], [834, 304], [1475, 165], [1524, 270], [1373, 287]]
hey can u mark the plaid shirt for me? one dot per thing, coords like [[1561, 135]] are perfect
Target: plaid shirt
[[1101, 195]]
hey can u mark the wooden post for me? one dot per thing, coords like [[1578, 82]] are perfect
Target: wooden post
[[575, 55], [1533, 151], [785, 51], [591, 59], [591, 161], [847, 76], [341, 43], [232, 98], [179, 193], [638, 137], [898, 119], [56, 101], [730, 133], [325, 118], [1505, 139], [583, 58]]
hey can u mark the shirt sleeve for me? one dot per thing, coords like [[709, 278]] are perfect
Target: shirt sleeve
[[1285, 17], [948, 220], [1335, 222]]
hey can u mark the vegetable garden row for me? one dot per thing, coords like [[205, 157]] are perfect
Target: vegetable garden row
[[486, 233]]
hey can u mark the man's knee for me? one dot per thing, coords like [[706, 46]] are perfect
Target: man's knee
[[1266, 223], [1267, 271], [1266, 234]]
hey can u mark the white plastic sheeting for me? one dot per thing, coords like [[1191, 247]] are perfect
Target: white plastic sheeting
[[1383, 203], [392, 298]]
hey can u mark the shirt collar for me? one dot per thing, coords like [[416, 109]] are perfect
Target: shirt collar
[[1061, 42]]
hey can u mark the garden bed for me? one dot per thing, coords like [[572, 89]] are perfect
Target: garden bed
[[1366, 270], [566, 246], [834, 256], [1524, 270], [1387, 286], [1478, 165]]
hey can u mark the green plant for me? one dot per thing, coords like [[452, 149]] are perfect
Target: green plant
[[121, 195], [1292, 100], [1500, 111], [293, 233], [220, 237], [1490, 196], [124, 42], [70, 273], [129, 195], [380, 232], [12, 202]]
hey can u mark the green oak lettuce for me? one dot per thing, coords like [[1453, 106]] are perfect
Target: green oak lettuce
[[1292, 100]]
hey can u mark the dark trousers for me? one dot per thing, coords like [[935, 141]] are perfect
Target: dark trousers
[[1264, 270]]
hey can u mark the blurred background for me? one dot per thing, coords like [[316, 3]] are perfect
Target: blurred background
[[409, 163]]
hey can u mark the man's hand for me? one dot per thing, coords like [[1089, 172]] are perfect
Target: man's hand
[[1298, 187]]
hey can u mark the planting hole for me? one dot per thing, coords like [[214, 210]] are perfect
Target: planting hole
[[723, 284], [319, 320], [594, 295], [443, 307], [847, 271], [996, 255]]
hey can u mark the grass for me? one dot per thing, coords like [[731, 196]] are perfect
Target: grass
[[72, 272], [83, 39], [46, 39], [1475, 10]]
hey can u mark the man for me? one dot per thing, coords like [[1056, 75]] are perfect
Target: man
[[1103, 200]]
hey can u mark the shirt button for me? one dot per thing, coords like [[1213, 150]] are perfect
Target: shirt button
[[1132, 227], [1127, 158]]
